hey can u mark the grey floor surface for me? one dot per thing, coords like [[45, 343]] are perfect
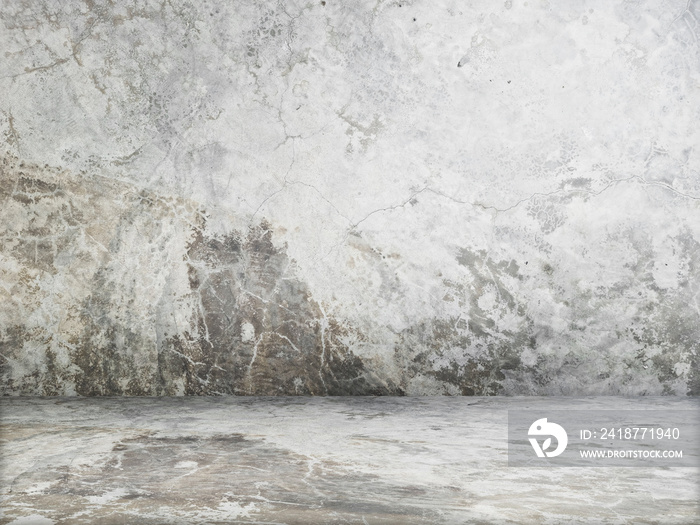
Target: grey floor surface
[[311, 461]]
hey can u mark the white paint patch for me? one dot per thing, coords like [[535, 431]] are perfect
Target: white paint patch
[[668, 265], [681, 369], [186, 464], [247, 332], [109, 496], [34, 519], [233, 509], [39, 488]]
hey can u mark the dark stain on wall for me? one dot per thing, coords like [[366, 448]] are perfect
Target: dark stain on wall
[[109, 289], [258, 330], [485, 353]]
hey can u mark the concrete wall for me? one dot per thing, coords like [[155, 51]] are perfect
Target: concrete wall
[[392, 197]]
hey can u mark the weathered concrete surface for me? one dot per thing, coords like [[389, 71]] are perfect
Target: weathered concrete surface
[[370, 198], [312, 461]]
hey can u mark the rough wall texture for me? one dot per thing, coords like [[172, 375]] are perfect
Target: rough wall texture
[[393, 197]]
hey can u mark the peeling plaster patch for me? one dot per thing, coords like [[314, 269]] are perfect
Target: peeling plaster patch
[[247, 332]]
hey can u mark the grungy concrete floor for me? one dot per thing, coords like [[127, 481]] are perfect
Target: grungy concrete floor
[[311, 461]]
